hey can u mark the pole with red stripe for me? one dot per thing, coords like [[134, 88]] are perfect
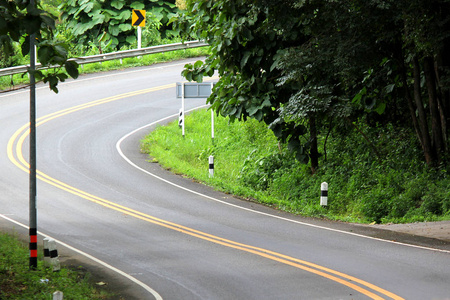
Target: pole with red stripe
[[33, 193]]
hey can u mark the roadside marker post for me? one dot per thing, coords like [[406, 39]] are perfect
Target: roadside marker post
[[46, 253], [58, 295], [324, 194], [211, 166]]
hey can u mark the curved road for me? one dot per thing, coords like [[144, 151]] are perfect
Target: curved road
[[168, 237]]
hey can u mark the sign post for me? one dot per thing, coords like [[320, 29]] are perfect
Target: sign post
[[138, 19], [194, 90]]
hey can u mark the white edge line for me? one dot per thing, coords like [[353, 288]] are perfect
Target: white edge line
[[118, 147], [134, 280]]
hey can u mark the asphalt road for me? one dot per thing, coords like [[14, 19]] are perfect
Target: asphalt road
[[168, 237]]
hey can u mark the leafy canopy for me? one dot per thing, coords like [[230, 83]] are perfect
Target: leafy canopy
[[21, 19], [96, 21]]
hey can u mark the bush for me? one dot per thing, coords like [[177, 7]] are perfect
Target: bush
[[397, 187]]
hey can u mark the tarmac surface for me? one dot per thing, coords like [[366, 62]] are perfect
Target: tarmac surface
[[431, 235]]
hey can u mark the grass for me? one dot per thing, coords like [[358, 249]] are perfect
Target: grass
[[18, 282], [249, 162]]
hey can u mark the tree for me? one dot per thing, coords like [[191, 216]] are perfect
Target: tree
[[302, 66], [21, 19], [246, 49], [108, 23]]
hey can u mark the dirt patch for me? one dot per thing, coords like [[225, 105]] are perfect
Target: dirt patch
[[436, 230]]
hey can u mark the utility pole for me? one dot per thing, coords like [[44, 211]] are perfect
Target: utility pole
[[33, 192]]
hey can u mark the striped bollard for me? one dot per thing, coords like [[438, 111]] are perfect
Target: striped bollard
[[54, 258], [211, 166], [324, 194], [46, 253]]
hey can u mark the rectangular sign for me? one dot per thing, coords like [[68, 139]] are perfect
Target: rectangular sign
[[194, 89]]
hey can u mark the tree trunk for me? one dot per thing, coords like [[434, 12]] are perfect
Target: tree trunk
[[443, 63], [409, 100], [436, 125], [313, 152], [426, 140]]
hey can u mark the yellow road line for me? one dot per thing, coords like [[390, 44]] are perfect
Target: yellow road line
[[21, 163]]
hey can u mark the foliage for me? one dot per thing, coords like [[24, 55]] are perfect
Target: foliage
[[304, 67], [18, 282], [107, 24], [249, 162], [246, 50], [21, 19]]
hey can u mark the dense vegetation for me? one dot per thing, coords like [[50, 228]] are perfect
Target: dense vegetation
[[307, 67], [66, 29], [251, 163]]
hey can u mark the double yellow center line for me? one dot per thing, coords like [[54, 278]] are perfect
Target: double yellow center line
[[14, 151]]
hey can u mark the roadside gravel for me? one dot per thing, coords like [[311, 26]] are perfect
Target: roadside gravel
[[436, 230]]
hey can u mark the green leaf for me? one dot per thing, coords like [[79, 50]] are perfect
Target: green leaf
[[137, 5], [62, 77], [26, 46], [72, 69], [114, 30], [245, 58], [380, 108], [45, 54], [389, 88], [131, 39], [125, 16], [125, 27], [118, 4], [198, 64]]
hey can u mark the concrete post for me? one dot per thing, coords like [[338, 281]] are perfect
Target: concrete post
[[211, 166], [324, 194]]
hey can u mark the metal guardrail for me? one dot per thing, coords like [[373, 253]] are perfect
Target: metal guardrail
[[111, 56]]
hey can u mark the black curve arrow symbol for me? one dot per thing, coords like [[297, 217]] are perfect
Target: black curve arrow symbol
[[139, 19]]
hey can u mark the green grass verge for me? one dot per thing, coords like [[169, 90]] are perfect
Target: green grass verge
[[249, 162], [11, 82], [18, 282]]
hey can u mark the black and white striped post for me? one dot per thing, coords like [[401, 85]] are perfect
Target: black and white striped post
[[51, 257], [180, 117], [46, 253], [324, 194], [211, 166]]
